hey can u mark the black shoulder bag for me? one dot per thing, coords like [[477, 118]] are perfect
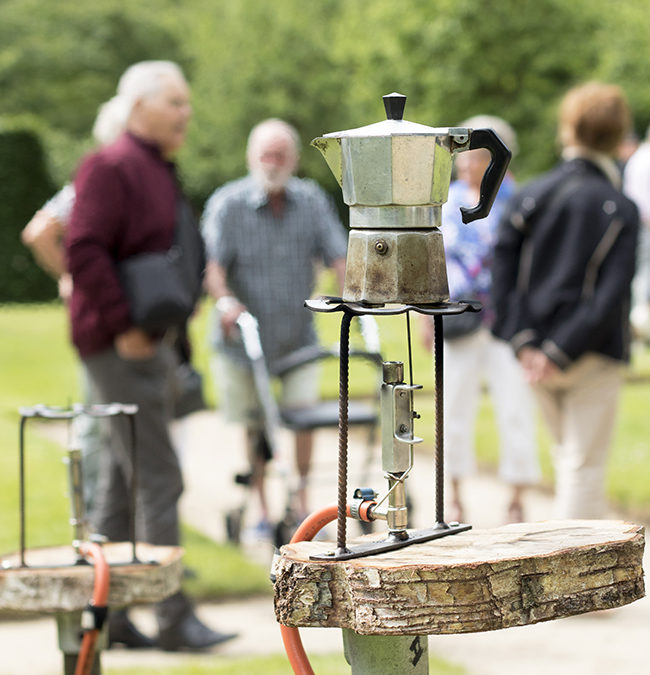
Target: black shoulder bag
[[162, 288]]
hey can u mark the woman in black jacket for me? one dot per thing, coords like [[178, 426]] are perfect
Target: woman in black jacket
[[563, 267]]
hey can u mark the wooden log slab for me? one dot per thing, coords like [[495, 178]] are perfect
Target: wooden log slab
[[52, 584], [473, 581]]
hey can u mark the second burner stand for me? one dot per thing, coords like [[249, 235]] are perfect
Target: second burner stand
[[56, 413], [329, 304]]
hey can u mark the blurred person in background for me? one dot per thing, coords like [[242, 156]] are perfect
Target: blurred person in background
[[44, 236], [563, 266], [473, 356], [264, 233], [126, 202], [636, 185]]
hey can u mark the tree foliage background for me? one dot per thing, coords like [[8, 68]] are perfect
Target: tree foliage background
[[322, 65]]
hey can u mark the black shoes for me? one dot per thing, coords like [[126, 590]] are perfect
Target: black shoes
[[179, 629], [122, 631], [190, 634]]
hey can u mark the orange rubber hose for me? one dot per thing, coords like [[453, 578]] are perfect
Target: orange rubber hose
[[307, 530], [100, 599]]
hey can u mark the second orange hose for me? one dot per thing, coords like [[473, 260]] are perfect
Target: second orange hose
[[100, 599]]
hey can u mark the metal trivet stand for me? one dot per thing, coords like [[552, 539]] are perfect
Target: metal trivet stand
[[77, 518], [399, 537]]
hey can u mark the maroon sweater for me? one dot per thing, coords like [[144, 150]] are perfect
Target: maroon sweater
[[125, 204]]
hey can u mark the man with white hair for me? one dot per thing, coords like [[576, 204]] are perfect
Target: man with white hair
[[263, 234], [126, 201]]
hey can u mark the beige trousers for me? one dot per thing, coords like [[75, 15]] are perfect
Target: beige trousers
[[579, 406], [470, 362]]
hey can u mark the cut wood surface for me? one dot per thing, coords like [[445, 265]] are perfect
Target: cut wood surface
[[473, 581], [52, 583]]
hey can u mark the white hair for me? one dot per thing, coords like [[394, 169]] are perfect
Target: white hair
[[270, 126], [111, 120], [503, 130], [142, 80]]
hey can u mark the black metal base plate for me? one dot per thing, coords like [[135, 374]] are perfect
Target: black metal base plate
[[392, 544], [334, 304]]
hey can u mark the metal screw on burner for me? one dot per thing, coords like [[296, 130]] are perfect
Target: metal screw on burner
[[381, 247]]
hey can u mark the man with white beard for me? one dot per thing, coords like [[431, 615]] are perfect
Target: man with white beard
[[264, 233]]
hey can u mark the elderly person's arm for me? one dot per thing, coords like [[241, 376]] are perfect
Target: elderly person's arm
[[43, 235], [216, 226], [216, 286], [331, 239]]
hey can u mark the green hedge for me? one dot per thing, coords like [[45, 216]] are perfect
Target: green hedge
[[24, 186]]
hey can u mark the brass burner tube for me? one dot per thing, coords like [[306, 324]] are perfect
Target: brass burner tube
[[77, 510], [397, 420]]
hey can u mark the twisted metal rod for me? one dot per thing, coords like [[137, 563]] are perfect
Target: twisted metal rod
[[21, 489], [344, 376], [439, 419], [134, 486]]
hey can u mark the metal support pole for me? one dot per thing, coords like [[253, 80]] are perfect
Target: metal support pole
[[21, 489], [344, 365], [386, 654], [439, 414], [134, 483], [69, 625]]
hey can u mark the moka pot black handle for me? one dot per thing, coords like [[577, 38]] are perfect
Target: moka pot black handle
[[491, 181]]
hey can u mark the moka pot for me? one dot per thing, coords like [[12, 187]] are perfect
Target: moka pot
[[395, 177]]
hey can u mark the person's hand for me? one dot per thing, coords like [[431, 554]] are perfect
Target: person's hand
[[545, 368], [526, 356], [229, 310], [134, 345], [536, 365], [65, 287]]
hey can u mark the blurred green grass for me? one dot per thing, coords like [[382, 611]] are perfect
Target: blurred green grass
[[217, 665], [334, 664]]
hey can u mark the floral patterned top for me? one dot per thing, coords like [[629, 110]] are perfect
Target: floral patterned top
[[469, 248]]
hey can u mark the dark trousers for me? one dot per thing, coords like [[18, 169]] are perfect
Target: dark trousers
[[159, 483]]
